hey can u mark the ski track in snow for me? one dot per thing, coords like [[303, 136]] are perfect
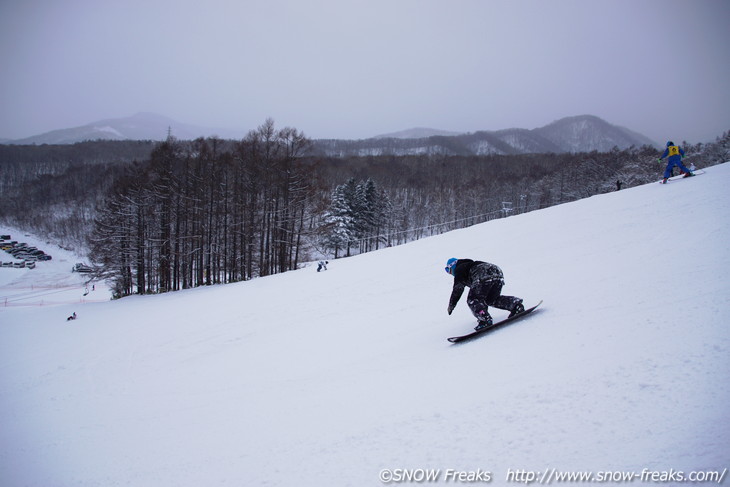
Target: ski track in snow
[[312, 379]]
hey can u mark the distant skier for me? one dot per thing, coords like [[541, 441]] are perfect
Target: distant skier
[[72, 317], [485, 283], [674, 154], [322, 265], [618, 185]]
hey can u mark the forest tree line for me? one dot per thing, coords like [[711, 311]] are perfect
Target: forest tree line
[[204, 213], [191, 213]]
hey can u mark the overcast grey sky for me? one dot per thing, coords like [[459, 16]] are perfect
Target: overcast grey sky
[[355, 69]]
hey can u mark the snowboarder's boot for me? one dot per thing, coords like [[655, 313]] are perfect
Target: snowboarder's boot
[[688, 175], [484, 320], [519, 308], [664, 181]]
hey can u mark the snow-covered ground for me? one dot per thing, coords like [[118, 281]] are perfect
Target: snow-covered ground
[[339, 377]]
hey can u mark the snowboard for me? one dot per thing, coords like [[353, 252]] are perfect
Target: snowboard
[[499, 324], [696, 172]]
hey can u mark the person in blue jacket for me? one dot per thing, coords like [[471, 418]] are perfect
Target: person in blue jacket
[[674, 155]]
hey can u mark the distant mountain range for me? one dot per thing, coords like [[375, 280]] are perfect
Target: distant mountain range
[[416, 133], [583, 133], [141, 126]]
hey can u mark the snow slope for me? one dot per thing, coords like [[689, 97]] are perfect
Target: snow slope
[[319, 379]]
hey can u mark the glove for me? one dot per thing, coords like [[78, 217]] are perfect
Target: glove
[[451, 308]]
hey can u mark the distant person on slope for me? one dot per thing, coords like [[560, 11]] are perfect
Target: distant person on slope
[[485, 283], [674, 154]]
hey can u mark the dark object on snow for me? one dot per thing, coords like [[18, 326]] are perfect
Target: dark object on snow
[[72, 317], [485, 283], [322, 265], [83, 268], [493, 327]]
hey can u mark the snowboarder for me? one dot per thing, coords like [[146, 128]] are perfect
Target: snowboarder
[[618, 185], [72, 317], [674, 155], [322, 265], [485, 283]]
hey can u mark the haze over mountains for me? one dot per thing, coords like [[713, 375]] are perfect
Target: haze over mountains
[[582, 133]]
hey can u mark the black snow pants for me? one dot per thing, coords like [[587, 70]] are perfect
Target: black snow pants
[[487, 293]]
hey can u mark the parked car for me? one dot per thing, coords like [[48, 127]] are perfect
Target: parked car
[[83, 268]]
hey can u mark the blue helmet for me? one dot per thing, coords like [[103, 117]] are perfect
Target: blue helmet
[[450, 264], [670, 143]]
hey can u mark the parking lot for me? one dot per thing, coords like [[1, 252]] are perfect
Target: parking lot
[[28, 279], [22, 255]]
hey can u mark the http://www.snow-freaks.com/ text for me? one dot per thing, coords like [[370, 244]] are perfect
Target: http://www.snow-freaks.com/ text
[[549, 476]]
